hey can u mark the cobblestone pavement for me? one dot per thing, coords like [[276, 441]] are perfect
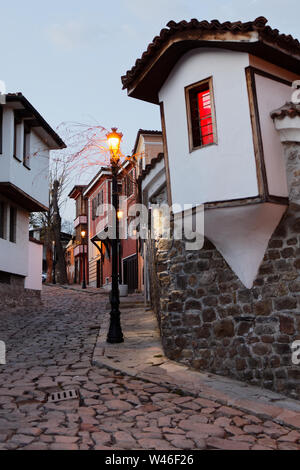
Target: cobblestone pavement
[[51, 350]]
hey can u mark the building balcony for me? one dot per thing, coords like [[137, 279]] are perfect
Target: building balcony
[[80, 249], [81, 220], [104, 222]]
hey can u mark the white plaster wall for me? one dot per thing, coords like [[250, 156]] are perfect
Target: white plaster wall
[[271, 95], [33, 182], [218, 172], [140, 151], [35, 260], [7, 147], [14, 256], [155, 180], [242, 234]]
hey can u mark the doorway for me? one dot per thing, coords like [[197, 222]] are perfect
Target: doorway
[[130, 270], [99, 274]]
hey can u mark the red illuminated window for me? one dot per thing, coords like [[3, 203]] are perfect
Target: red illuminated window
[[201, 115]]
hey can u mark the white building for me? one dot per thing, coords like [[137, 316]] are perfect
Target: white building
[[25, 142], [216, 85]]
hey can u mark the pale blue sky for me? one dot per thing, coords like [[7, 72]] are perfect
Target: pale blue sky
[[67, 56]]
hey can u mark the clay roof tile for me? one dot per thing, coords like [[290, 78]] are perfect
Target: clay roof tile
[[287, 43]]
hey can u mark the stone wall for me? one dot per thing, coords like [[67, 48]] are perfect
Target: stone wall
[[292, 158], [153, 263], [211, 322], [13, 296]]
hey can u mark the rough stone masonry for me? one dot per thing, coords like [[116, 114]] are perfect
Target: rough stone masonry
[[209, 321], [13, 295]]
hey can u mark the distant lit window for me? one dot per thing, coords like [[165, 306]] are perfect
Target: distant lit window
[[201, 118]]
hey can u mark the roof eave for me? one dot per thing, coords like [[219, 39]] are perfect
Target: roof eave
[[76, 191], [19, 97], [95, 181], [142, 132], [147, 83]]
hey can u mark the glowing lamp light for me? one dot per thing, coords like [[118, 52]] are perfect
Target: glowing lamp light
[[120, 215], [83, 233], [114, 141]]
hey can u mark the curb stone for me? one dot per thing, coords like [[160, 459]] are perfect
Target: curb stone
[[141, 356]]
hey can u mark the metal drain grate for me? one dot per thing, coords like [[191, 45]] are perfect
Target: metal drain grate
[[64, 395]]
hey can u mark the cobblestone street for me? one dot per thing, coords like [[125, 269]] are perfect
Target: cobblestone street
[[51, 350]]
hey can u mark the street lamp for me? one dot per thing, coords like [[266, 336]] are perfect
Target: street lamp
[[83, 235], [115, 334], [53, 262]]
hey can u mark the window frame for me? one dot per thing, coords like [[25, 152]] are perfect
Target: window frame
[[194, 87]]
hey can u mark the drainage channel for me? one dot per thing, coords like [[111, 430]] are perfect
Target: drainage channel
[[63, 395]]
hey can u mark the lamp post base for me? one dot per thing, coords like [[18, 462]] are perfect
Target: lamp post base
[[115, 335]]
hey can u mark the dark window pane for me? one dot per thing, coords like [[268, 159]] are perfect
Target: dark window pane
[[12, 225], [15, 137], [78, 207], [5, 278], [196, 135], [2, 219], [26, 148], [129, 184], [201, 115]]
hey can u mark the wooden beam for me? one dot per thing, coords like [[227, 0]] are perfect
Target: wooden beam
[[256, 133], [166, 154]]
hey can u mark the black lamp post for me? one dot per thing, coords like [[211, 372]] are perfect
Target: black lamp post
[[53, 262], [83, 235], [115, 334]]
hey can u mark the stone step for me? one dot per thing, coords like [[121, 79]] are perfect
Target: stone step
[[128, 304]]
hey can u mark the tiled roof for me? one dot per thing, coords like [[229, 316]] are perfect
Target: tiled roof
[[76, 188], [289, 109], [144, 132], [193, 31]]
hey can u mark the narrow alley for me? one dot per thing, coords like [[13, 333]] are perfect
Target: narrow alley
[[50, 351]]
